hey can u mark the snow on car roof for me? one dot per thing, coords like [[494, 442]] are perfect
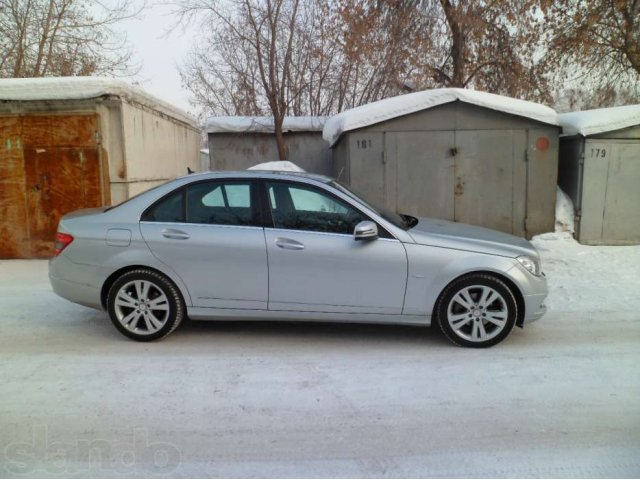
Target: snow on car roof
[[80, 88], [393, 107], [600, 120], [264, 124]]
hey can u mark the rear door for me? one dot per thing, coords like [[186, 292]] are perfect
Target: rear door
[[210, 234]]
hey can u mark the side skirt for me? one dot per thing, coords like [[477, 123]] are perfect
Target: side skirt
[[198, 313]]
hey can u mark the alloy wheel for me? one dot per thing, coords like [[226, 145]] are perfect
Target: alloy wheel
[[477, 313], [141, 307]]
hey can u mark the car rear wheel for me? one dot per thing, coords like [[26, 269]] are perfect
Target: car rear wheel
[[144, 305], [476, 310]]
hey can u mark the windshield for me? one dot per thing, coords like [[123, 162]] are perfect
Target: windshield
[[401, 221]]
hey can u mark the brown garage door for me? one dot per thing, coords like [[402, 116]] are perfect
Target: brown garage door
[[49, 165]]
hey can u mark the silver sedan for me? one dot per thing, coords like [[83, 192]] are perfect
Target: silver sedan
[[290, 246]]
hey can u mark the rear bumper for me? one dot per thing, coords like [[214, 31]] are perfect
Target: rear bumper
[[79, 290]]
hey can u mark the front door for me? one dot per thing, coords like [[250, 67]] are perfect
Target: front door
[[315, 264], [209, 233]]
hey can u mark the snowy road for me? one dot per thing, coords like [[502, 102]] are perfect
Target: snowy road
[[560, 398]]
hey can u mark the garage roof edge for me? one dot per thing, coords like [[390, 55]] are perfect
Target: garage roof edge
[[600, 120], [239, 124], [389, 108], [82, 88]]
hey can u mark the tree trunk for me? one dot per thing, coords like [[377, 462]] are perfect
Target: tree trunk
[[457, 44], [282, 147], [631, 38]]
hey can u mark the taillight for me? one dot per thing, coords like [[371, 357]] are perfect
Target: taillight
[[63, 240]]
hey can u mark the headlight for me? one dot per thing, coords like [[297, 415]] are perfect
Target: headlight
[[530, 263]]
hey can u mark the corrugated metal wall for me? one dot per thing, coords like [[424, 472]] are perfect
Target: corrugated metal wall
[[157, 148], [239, 151]]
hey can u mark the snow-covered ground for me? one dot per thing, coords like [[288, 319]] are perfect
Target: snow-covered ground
[[559, 398], [585, 278]]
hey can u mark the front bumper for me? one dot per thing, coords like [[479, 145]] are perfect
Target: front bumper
[[534, 307], [534, 292]]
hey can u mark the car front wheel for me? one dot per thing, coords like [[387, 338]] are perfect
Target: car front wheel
[[144, 305], [476, 310]]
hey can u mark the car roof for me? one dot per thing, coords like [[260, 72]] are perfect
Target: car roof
[[280, 174]]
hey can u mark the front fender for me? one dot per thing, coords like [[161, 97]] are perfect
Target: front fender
[[431, 269]]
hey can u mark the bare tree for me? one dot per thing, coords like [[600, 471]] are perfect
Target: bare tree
[[252, 64], [297, 57], [593, 53], [486, 44], [63, 37], [379, 40]]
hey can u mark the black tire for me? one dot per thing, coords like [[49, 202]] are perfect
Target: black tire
[[159, 284], [504, 305]]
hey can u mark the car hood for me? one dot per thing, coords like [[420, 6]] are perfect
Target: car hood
[[445, 234]]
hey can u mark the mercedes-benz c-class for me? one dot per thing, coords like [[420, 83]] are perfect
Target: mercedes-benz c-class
[[290, 246]]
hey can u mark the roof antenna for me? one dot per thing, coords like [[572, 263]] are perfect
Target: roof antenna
[[189, 171]]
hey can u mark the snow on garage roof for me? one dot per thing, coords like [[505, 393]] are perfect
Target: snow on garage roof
[[80, 88], [601, 120], [393, 107], [277, 166], [263, 124]]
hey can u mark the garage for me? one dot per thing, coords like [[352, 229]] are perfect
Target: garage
[[600, 170], [453, 154], [70, 143], [237, 143]]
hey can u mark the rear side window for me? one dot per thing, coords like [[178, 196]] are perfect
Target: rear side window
[[220, 203], [169, 209]]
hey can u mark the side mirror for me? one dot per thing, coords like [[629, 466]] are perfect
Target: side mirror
[[366, 230]]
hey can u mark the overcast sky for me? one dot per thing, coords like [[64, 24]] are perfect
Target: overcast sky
[[159, 53]]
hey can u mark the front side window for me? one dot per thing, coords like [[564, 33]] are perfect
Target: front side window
[[219, 203], [304, 207]]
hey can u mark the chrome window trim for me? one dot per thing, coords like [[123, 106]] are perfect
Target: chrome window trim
[[275, 229], [389, 227], [217, 225]]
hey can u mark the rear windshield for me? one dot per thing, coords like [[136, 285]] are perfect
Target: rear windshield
[[135, 196]]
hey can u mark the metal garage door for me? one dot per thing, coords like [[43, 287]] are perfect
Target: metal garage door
[[475, 177], [425, 173], [485, 181], [622, 201], [610, 193], [49, 165]]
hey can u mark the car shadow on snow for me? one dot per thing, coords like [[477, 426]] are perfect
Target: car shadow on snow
[[317, 332], [96, 328]]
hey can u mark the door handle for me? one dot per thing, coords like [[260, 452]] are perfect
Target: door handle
[[175, 234], [289, 244]]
